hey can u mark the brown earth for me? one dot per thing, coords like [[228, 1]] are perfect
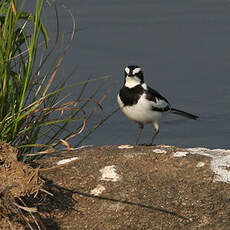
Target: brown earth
[[18, 180], [150, 191]]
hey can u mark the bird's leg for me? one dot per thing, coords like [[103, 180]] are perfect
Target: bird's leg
[[156, 127], [141, 126]]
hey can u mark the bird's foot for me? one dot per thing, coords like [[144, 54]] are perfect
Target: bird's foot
[[144, 144]]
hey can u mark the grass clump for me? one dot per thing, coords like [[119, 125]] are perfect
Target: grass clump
[[33, 113]]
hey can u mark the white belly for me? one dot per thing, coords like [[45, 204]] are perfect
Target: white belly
[[141, 112]]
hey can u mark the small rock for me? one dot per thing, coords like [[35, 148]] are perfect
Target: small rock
[[159, 151], [109, 174], [125, 146], [98, 190], [180, 154], [66, 160], [200, 164]]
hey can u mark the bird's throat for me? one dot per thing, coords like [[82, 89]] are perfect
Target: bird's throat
[[131, 82]]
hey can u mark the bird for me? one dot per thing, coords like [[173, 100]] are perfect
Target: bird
[[142, 104]]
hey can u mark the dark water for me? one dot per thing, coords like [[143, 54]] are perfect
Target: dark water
[[183, 48]]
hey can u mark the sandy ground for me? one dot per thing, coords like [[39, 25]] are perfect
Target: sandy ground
[[158, 187]]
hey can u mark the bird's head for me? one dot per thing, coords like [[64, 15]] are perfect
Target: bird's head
[[133, 76]]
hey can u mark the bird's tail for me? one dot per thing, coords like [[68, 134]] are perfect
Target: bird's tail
[[184, 114]]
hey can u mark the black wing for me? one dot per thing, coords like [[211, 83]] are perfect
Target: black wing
[[160, 103]]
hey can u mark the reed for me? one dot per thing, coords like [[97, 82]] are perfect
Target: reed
[[34, 116]]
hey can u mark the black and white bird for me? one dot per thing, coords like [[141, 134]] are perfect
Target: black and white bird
[[143, 104]]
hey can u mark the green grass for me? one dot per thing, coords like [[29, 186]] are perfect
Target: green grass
[[32, 108]]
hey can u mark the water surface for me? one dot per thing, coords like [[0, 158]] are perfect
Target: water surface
[[183, 48]]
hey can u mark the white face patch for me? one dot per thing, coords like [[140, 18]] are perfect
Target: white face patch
[[131, 82], [136, 70], [127, 70]]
